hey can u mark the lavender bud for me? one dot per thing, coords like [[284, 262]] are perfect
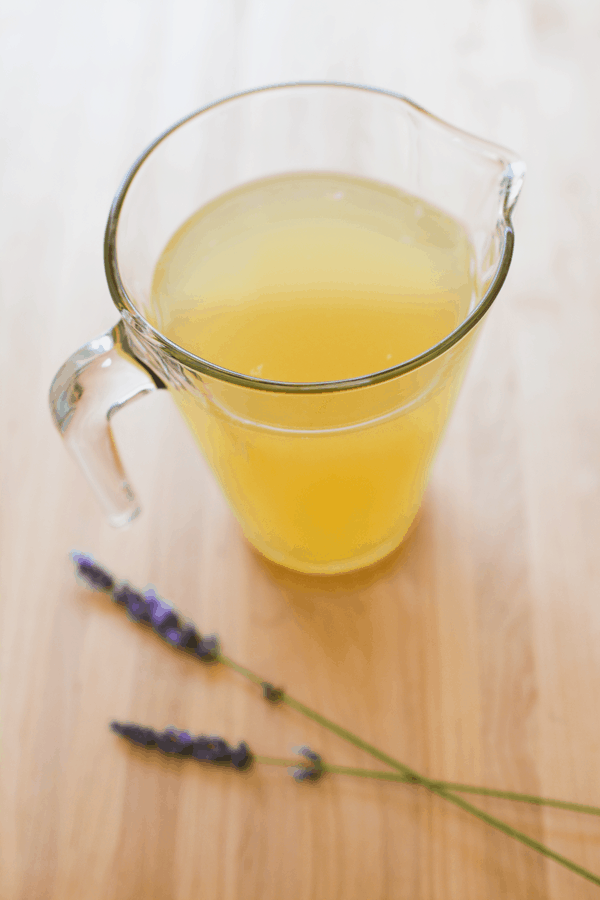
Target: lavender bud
[[200, 750], [220, 751], [309, 754], [138, 734], [173, 741], [158, 607], [241, 756], [189, 639], [94, 575], [305, 772], [162, 622], [120, 595], [210, 749], [134, 602], [162, 615], [186, 742], [208, 649], [171, 635], [272, 693]]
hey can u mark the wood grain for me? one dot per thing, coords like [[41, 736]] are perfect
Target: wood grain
[[472, 654]]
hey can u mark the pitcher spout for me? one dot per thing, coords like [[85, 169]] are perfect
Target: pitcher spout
[[512, 182]]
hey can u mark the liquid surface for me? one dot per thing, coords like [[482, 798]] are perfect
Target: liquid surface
[[313, 278]]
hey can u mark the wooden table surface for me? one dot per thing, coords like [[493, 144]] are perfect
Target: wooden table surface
[[472, 654]]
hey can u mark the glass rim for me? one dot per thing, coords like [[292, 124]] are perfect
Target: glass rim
[[129, 310]]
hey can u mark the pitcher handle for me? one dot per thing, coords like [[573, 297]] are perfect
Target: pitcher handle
[[93, 384]]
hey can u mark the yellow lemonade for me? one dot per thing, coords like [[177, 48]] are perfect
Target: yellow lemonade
[[318, 278]]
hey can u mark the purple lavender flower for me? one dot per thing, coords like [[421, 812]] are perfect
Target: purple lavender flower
[[311, 772], [91, 573], [149, 608], [174, 742]]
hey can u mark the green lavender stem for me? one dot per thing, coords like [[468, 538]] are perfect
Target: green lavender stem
[[442, 785], [413, 777]]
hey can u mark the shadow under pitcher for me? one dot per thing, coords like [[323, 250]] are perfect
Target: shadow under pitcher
[[305, 268]]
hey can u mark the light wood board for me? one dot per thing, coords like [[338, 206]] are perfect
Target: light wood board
[[472, 654]]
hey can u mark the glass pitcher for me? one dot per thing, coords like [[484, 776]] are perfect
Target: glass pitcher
[[323, 476]]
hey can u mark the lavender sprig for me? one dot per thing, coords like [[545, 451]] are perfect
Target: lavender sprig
[[148, 608], [312, 767], [174, 742], [208, 648]]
